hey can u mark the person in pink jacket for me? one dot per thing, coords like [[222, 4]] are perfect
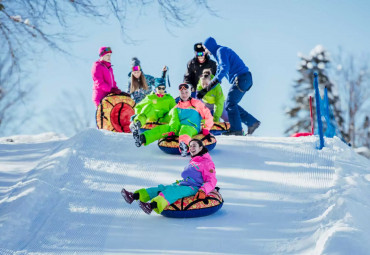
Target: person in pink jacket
[[199, 179], [102, 74]]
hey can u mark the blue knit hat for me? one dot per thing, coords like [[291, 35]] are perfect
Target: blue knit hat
[[159, 82]]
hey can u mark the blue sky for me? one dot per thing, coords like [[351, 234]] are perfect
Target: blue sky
[[267, 35]]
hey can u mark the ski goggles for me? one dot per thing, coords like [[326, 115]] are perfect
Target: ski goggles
[[161, 88], [200, 54], [184, 86], [136, 68], [105, 50]]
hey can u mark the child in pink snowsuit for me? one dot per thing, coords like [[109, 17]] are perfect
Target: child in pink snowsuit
[[199, 179], [102, 74]]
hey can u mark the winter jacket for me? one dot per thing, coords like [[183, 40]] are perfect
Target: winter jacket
[[229, 64], [153, 107], [141, 93], [102, 74], [215, 97], [200, 172], [194, 70], [190, 113]]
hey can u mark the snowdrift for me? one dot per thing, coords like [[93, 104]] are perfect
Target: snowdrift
[[282, 196]]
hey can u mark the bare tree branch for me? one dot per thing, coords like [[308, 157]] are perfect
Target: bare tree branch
[[28, 25], [353, 77]]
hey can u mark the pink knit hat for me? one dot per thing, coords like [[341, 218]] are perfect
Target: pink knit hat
[[104, 50]]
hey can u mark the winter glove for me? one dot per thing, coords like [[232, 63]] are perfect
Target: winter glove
[[200, 195], [201, 93], [213, 83], [171, 134], [133, 117], [205, 132], [116, 91]]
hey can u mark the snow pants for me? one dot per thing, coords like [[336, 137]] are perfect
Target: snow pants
[[185, 133], [236, 113], [149, 113], [166, 194]]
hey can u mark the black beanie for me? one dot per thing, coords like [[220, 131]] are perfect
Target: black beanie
[[198, 47]]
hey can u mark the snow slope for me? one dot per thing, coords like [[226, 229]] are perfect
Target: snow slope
[[282, 196]]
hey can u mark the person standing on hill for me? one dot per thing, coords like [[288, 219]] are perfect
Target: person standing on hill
[[196, 65], [102, 74], [230, 65]]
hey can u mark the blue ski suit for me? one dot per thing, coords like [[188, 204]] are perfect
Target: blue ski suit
[[231, 66]]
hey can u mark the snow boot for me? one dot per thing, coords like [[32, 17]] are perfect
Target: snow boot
[[230, 132], [183, 149], [139, 139], [148, 207], [252, 128], [129, 196], [135, 126]]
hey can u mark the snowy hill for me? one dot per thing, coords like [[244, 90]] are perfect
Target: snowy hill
[[282, 196]]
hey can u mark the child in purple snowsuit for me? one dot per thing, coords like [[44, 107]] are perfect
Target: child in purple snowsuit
[[199, 179]]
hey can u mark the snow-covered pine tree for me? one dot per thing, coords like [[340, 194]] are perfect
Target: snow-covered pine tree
[[299, 115]]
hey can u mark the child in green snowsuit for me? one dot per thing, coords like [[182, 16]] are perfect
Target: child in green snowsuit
[[185, 122], [214, 99], [154, 107]]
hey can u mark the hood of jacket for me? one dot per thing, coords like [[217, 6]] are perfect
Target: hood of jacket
[[203, 157], [211, 44]]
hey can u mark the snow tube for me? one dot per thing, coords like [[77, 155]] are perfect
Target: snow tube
[[170, 144], [188, 207], [114, 112], [219, 127]]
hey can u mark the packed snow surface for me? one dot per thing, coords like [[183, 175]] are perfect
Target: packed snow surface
[[61, 195]]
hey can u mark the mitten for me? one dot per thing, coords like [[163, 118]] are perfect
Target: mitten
[[201, 93], [200, 195], [205, 132]]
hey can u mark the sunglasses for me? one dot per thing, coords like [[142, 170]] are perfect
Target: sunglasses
[[184, 86], [200, 54], [136, 68], [161, 88], [107, 49]]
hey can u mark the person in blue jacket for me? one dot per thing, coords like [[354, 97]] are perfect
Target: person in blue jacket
[[230, 65]]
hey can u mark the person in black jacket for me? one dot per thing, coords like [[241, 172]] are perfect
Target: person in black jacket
[[196, 66]]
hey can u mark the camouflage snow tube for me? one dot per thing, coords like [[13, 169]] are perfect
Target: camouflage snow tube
[[188, 207], [220, 127]]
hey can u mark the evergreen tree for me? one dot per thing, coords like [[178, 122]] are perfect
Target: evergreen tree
[[299, 114]]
